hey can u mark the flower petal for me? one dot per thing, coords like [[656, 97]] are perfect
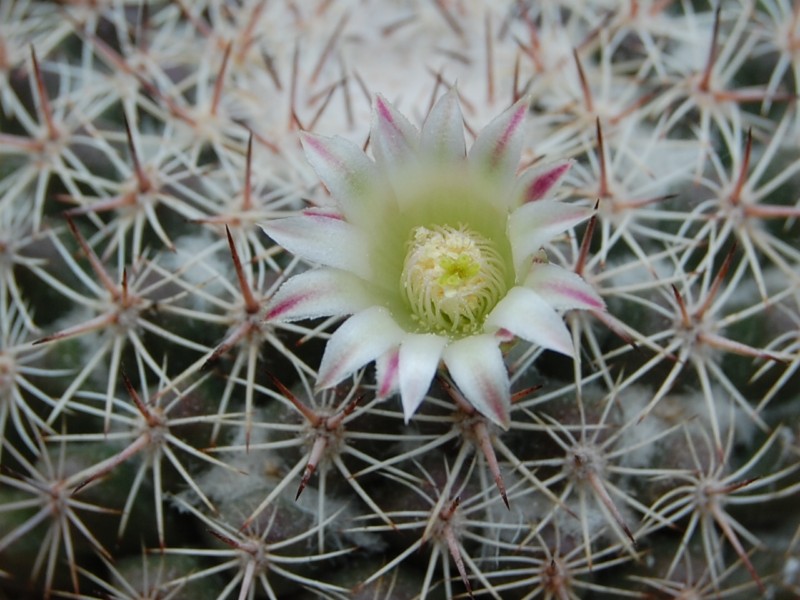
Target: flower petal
[[419, 359], [536, 183], [323, 239], [442, 134], [386, 366], [563, 289], [498, 146], [343, 167], [392, 137], [477, 368], [534, 224], [526, 314], [319, 293], [362, 338]]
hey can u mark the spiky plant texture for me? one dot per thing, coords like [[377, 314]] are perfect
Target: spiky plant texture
[[524, 323]]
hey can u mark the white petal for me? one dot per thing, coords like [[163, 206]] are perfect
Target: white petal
[[563, 289], [536, 223], [359, 340], [392, 138], [535, 183], [323, 239], [442, 134], [476, 365], [419, 359], [344, 169], [526, 314], [386, 366], [319, 293], [498, 146]]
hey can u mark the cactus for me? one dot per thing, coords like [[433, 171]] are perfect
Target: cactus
[[380, 299]]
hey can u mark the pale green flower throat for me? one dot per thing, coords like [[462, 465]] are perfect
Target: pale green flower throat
[[452, 278]]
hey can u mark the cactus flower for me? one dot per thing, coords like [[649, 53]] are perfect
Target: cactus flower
[[436, 254]]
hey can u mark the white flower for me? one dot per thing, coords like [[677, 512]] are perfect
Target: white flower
[[435, 253]]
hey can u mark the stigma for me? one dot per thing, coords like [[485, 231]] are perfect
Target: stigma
[[452, 278]]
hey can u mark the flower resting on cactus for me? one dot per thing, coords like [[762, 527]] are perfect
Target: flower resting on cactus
[[435, 252]]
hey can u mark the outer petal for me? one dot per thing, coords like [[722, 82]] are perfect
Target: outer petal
[[392, 137], [563, 289], [476, 365], [526, 314], [386, 367], [533, 225], [343, 167], [362, 338], [419, 359], [536, 183], [319, 293], [498, 146], [324, 239], [442, 134]]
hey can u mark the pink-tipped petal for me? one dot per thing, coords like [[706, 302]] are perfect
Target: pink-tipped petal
[[344, 169], [534, 224], [359, 340], [476, 365], [392, 137], [386, 370], [442, 134], [529, 316], [536, 183], [498, 146], [318, 293], [562, 289], [323, 239], [419, 359]]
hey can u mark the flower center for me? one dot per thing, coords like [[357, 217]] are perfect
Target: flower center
[[452, 277]]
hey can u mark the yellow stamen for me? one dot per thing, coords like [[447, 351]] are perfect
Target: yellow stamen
[[452, 278]]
